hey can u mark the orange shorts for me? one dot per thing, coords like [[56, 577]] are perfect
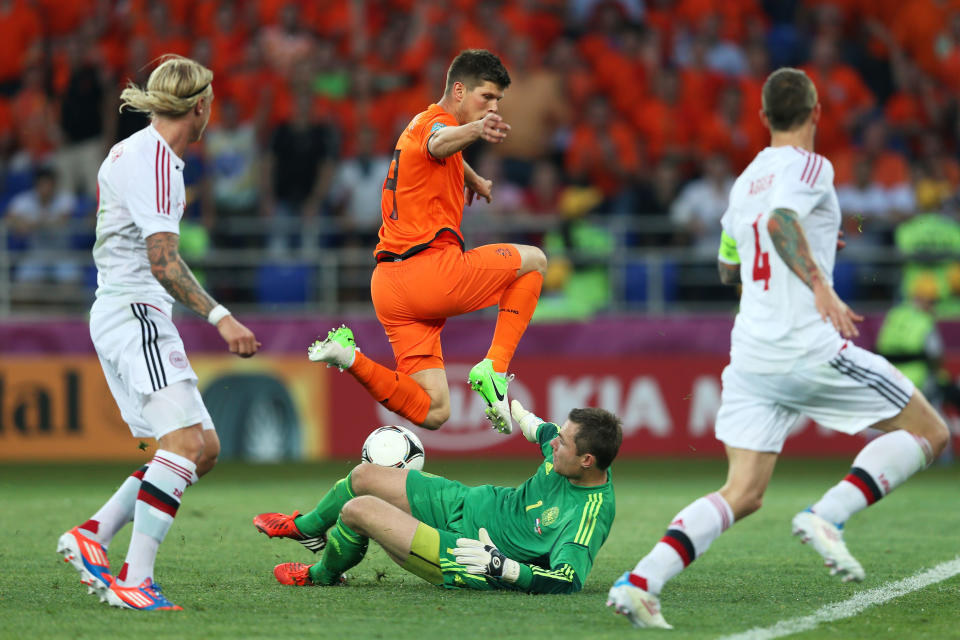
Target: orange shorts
[[414, 298]]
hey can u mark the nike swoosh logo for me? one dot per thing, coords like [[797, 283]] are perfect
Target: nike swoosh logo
[[536, 504], [495, 390]]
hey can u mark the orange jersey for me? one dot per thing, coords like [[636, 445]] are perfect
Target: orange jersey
[[422, 195]]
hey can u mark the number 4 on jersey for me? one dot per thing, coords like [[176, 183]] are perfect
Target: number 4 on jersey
[[761, 259]]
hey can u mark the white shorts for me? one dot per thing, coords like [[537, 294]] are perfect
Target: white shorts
[[141, 352], [851, 392]]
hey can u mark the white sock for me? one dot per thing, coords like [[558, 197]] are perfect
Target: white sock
[[881, 466], [116, 512], [157, 503], [687, 538]]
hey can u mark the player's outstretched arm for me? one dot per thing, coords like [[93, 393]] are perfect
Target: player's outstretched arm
[[168, 267], [792, 246], [529, 423], [449, 140]]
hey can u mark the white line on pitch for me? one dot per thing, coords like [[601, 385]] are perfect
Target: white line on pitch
[[854, 605]]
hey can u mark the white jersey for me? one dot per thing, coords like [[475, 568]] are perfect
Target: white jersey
[[778, 328], [141, 192]]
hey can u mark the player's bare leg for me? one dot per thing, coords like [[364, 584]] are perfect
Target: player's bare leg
[[211, 452], [912, 440], [690, 534], [748, 474], [434, 382]]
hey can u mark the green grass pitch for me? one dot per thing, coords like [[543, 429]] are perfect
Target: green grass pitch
[[218, 567]]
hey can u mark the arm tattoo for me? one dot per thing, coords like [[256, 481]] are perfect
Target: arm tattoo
[[791, 244], [729, 273], [163, 250]]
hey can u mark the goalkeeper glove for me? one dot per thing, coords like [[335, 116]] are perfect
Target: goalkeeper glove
[[482, 557], [529, 423]]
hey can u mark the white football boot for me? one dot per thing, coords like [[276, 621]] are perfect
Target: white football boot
[[337, 349], [641, 607], [827, 539]]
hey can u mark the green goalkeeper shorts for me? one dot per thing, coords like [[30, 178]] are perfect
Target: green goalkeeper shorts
[[438, 504]]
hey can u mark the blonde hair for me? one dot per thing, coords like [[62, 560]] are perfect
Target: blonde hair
[[173, 89]]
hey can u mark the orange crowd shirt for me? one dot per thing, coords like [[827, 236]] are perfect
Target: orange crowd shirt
[[422, 195]]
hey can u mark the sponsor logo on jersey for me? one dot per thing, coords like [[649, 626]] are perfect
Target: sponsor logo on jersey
[[761, 184], [116, 151], [178, 359], [549, 516]]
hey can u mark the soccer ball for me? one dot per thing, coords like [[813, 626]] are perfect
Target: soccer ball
[[393, 447]]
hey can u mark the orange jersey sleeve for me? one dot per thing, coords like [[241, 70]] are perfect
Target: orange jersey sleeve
[[422, 195]]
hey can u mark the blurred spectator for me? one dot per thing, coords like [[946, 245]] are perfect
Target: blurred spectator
[[297, 171], [534, 105], [887, 169], [21, 44], [254, 88], [35, 115], [577, 282], [504, 206], [541, 199], [603, 153], [733, 130], [232, 157], [936, 175], [39, 222], [917, 26], [916, 103], [715, 52], [162, 34], [228, 39], [697, 210], [845, 98], [653, 196], [542, 196], [83, 113], [287, 44], [869, 211], [128, 121], [357, 191], [930, 243], [664, 122], [751, 82], [579, 82], [909, 338], [699, 84]]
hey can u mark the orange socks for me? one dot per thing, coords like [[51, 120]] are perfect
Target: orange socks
[[516, 306], [396, 391]]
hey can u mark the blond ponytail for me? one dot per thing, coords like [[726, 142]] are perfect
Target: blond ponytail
[[173, 89]]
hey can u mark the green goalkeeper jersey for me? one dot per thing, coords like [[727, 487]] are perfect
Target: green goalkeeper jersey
[[551, 526]]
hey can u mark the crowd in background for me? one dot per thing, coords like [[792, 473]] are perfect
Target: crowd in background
[[638, 108]]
